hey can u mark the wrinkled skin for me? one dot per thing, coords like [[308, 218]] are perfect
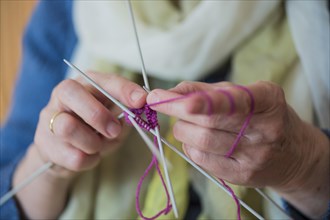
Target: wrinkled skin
[[277, 150]]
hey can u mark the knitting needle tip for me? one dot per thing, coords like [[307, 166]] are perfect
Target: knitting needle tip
[[145, 88]]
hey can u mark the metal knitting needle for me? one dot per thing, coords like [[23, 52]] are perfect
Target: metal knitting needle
[[123, 107], [152, 147], [166, 166], [147, 140], [145, 78], [269, 199], [156, 132], [261, 193], [167, 176], [147, 88], [208, 176], [144, 137], [25, 182], [164, 140], [48, 165]]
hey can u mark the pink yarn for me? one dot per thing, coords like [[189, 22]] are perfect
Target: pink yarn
[[152, 122], [208, 98], [246, 122], [234, 197], [167, 209]]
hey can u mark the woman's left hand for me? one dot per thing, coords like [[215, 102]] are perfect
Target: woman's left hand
[[277, 148]]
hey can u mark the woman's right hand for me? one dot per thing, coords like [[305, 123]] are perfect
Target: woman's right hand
[[86, 124], [85, 128]]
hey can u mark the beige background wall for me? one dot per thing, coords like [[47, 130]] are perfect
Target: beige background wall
[[13, 17]]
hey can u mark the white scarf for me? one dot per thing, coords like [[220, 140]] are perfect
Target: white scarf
[[310, 26], [178, 46], [189, 44]]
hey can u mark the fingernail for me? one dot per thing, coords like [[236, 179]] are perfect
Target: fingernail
[[137, 95], [186, 150], [113, 129], [153, 97]]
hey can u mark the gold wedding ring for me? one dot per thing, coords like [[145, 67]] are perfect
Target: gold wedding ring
[[51, 122]]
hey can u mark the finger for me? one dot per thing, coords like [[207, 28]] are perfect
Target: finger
[[124, 90], [63, 154], [201, 95], [219, 166], [72, 96], [99, 96], [208, 140], [185, 107], [75, 132], [202, 102], [187, 87], [258, 97], [72, 158]]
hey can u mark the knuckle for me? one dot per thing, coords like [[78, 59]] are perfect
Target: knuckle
[[247, 176], [199, 157], [128, 90], [205, 139], [67, 127], [264, 157], [177, 131], [192, 106], [92, 150], [77, 161], [211, 121], [276, 132], [275, 91], [224, 84], [246, 99], [183, 84], [128, 87], [65, 87], [280, 97], [92, 146], [97, 115], [43, 114], [38, 138], [186, 86], [169, 107], [264, 83]]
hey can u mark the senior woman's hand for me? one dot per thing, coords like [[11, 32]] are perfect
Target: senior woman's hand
[[84, 127], [277, 149]]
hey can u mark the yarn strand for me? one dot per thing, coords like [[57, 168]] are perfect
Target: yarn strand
[[152, 122], [167, 209]]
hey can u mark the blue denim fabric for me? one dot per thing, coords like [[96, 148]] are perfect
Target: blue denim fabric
[[48, 39]]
